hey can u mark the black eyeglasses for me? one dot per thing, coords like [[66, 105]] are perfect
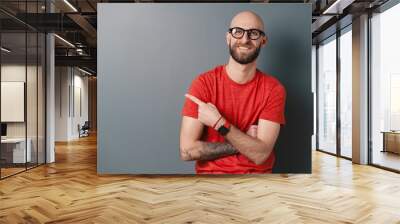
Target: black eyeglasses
[[253, 34]]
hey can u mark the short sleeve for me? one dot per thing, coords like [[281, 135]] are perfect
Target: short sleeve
[[274, 109], [198, 89]]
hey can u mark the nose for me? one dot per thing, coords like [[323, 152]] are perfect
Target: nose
[[245, 37]]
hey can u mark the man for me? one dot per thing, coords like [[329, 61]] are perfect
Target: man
[[232, 114]]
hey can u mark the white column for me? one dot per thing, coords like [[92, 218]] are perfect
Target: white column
[[360, 90], [50, 79], [50, 91]]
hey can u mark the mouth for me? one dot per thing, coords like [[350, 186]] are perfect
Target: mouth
[[243, 48]]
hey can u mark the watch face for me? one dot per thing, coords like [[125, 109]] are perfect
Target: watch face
[[223, 130]]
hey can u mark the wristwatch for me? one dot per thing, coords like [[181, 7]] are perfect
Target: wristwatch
[[224, 129]]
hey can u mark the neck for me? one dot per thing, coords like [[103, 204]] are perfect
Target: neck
[[241, 73]]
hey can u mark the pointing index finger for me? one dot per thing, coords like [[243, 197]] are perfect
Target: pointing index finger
[[194, 99]]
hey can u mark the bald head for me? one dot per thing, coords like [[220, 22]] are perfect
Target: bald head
[[244, 49], [247, 20]]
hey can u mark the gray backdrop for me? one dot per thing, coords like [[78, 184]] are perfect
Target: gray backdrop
[[148, 54]]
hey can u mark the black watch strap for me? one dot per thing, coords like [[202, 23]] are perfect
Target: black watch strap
[[223, 130]]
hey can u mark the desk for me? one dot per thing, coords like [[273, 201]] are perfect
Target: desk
[[15, 148], [391, 141]]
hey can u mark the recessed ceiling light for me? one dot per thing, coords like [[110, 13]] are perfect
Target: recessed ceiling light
[[84, 71], [64, 40], [5, 50], [70, 5], [337, 7]]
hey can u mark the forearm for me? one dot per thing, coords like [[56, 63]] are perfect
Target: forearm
[[253, 148], [201, 150]]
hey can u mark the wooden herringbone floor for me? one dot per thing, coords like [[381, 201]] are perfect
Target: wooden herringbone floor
[[70, 191]]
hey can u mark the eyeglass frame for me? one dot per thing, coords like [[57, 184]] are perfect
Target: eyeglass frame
[[246, 31]]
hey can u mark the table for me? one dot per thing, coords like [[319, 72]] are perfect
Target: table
[[391, 141], [13, 150]]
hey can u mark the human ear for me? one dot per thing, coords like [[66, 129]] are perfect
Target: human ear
[[264, 40]]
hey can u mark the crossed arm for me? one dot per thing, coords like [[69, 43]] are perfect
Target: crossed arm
[[256, 145], [191, 148]]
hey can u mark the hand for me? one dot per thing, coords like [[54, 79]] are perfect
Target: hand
[[208, 113], [252, 131]]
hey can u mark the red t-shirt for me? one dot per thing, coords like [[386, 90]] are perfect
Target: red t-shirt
[[242, 105]]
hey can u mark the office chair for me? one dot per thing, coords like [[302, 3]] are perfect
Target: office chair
[[84, 130]]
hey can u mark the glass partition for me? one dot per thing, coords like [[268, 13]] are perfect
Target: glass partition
[[32, 95], [385, 89], [327, 95], [346, 92], [14, 153], [41, 87], [22, 63]]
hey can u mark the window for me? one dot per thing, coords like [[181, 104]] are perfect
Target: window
[[385, 88], [327, 95], [346, 75]]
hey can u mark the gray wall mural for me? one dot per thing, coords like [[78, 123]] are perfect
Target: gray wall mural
[[148, 54]]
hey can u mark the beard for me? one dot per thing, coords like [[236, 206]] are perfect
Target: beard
[[241, 57]]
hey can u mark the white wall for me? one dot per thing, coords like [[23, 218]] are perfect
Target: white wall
[[79, 117], [12, 73], [70, 83], [62, 81]]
